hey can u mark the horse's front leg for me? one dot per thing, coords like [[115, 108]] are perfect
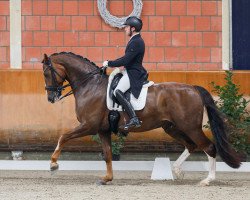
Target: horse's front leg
[[80, 131], [107, 151]]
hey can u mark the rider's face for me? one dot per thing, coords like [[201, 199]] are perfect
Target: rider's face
[[127, 30]]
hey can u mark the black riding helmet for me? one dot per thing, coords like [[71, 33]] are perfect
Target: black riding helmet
[[134, 21]]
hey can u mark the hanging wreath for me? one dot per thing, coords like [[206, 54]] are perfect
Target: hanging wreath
[[116, 21]]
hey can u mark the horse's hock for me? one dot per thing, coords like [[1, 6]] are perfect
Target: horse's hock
[[29, 122]]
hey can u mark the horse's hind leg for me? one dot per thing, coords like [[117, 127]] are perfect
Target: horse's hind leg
[[177, 164], [203, 143], [181, 137], [80, 131], [212, 169]]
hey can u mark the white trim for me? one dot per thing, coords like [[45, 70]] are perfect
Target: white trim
[[226, 34], [117, 165], [15, 34]]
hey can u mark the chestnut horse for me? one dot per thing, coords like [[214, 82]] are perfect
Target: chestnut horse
[[176, 107]]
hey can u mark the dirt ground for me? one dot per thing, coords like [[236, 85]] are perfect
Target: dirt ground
[[80, 185]]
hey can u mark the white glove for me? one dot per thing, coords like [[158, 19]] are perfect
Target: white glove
[[105, 63]]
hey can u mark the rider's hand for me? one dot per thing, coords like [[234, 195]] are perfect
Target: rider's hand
[[103, 70], [105, 63]]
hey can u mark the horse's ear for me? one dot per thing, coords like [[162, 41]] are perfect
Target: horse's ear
[[45, 58]]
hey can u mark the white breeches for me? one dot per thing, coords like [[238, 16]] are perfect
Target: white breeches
[[124, 83]]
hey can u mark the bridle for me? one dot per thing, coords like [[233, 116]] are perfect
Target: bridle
[[56, 88]]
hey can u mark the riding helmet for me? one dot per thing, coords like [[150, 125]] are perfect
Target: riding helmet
[[134, 21]]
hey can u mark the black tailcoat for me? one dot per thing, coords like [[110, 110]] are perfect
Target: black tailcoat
[[132, 61]]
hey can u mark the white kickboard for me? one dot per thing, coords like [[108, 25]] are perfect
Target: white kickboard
[[162, 169], [187, 166]]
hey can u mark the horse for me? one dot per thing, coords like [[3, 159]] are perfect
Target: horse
[[175, 107]]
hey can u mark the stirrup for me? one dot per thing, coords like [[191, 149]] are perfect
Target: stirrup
[[133, 123]]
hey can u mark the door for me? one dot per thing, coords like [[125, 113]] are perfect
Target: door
[[241, 34]]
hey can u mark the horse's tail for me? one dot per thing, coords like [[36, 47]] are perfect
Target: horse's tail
[[218, 127]]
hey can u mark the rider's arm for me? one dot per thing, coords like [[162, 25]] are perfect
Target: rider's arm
[[133, 50]]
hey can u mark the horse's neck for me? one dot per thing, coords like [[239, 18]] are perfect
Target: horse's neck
[[93, 84], [80, 77], [75, 69]]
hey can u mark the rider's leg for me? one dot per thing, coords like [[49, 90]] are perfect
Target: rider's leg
[[124, 83], [121, 88]]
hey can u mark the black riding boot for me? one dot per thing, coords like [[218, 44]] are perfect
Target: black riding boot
[[134, 121]]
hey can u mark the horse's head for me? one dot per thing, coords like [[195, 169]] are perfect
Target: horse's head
[[54, 76]]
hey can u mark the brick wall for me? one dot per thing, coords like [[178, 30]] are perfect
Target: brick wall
[[179, 35]]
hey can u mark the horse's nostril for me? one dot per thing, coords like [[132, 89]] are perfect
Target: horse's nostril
[[50, 99]]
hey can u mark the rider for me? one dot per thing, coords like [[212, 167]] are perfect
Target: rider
[[134, 73]]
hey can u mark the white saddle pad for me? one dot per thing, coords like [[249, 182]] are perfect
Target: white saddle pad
[[138, 104]]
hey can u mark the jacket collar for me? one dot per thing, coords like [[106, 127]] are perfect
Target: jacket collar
[[135, 36]]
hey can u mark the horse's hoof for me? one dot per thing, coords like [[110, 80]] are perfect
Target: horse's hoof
[[54, 167], [178, 173], [101, 182], [204, 183]]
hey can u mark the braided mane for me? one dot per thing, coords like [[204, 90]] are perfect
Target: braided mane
[[75, 55]]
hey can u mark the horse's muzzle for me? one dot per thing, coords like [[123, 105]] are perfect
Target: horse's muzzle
[[54, 96], [51, 99]]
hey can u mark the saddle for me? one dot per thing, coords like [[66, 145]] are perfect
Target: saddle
[[114, 84], [112, 102], [114, 105]]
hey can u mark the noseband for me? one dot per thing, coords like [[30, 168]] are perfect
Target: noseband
[[55, 87]]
